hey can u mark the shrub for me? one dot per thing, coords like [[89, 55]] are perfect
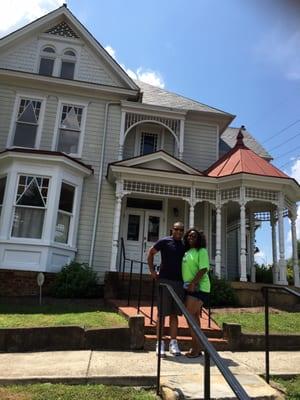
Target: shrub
[[264, 274], [75, 280], [222, 294]]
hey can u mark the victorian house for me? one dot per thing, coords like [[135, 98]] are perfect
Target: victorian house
[[88, 156]]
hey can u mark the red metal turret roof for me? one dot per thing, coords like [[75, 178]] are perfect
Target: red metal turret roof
[[240, 159]]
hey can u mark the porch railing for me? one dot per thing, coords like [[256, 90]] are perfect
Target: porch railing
[[209, 351], [265, 290]]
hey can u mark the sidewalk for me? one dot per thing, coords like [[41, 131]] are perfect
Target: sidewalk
[[139, 368]]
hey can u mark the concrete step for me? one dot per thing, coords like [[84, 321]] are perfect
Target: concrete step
[[185, 331], [185, 343]]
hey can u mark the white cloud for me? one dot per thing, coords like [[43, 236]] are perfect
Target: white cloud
[[260, 257], [16, 13], [142, 74], [282, 49]]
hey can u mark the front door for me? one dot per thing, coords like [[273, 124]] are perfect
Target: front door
[[142, 229]]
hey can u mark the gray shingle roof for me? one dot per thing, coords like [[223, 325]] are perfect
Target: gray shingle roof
[[156, 96], [228, 141]]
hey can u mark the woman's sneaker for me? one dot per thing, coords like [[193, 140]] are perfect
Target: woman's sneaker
[[162, 348], [173, 348]]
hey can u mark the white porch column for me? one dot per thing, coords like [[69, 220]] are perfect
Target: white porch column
[[116, 226], [181, 139], [252, 245], [192, 215], [295, 249], [282, 262], [274, 248], [243, 261], [218, 258], [122, 137]]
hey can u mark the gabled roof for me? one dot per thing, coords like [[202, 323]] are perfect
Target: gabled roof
[[241, 159], [228, 141], [156, 96], [165, 162], [64, 14]]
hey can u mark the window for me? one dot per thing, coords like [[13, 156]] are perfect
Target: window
[[68, 65], [47, 61], [65, 213], [2, 191], [30, 207], [148, 143], [27, 123], [70, 127], [133, 228]]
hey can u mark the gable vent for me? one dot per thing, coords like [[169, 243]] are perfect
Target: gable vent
[[63, 30]]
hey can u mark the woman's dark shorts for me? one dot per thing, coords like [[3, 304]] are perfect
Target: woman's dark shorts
[[169, 305], [202, 296]]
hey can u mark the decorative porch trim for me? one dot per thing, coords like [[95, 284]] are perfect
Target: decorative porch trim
[[156, 188]]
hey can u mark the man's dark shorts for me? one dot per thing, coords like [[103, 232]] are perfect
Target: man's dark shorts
[[169, 305]]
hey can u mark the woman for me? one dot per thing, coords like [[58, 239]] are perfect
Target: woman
[[195, 267]]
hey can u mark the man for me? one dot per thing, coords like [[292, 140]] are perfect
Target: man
[[172, 251]]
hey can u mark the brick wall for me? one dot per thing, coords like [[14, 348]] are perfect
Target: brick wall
[[22, 283]]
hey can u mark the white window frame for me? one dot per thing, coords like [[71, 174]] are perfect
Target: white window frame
[[4, 194], [11, 135], [66, 58], [14, 205], [50, 56], [72, 214], [69, 102], [152, 130]]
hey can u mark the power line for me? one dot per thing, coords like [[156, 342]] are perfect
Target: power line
[[286, 141], [287, 152], [295, 159], [282, 130]]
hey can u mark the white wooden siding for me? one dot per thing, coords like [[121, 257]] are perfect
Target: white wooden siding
[[200, 144], [7, 101], [22, 57], [129, 145], [169, 143], [91, 69]]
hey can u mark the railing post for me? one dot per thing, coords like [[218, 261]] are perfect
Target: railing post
[[152, 301], [129, 283], [140, 287], [206, 376], [160, 319], [266, 295]]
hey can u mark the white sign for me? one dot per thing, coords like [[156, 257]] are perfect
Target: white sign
[[40, 279]]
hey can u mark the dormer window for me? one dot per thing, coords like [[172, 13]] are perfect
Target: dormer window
[[47, 61], [148, 143], [68, 64]]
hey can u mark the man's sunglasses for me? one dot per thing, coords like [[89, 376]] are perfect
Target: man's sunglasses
[[178, 229]]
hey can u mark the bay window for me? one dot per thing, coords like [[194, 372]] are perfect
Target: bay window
[[30, 207], [2, 191], [65, 213]]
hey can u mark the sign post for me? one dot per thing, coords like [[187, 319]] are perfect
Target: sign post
[[40, 281]]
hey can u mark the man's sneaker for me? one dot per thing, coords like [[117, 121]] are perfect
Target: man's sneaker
[[162, 349], [173, 348]]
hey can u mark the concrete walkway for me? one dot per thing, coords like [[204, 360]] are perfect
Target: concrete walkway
[[139, 368]]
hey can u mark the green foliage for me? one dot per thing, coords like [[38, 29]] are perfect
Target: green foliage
[[75, 280], [264, 274], [222, 294]]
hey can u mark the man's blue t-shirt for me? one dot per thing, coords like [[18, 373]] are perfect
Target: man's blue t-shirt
[[172, 252]]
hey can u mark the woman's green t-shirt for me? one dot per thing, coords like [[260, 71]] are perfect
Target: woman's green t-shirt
[[193, 261]]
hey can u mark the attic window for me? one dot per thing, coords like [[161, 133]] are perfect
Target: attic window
[[148, 143], [68, 64], [48, 55]]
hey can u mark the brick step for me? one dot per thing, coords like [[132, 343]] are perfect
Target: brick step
[[184, 331], [185, 343]]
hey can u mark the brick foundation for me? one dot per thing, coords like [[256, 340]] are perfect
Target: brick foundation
[[23, 283]]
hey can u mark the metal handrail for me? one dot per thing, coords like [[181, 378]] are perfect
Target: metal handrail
[[209, 350], [265, 289]]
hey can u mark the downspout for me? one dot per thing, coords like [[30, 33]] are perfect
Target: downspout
[[99, 188]]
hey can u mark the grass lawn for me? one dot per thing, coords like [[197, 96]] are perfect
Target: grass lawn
[[48, 391], [59, 313], [292, 387], [280, 322]]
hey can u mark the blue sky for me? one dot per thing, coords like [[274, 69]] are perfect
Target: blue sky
[[242, 56]]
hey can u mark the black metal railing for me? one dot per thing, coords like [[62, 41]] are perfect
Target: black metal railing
[[265, 290], [209, 350]]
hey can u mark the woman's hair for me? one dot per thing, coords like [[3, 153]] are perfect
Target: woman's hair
[[200, 241]]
